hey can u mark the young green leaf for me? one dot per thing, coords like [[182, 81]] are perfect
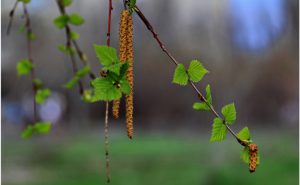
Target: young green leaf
[[132, 4], [180, 76], [38, 82], [74, 35], [106, 55], [87, 96], [200, 106], [245, 154], [42, 95], [203, 105], [125, 86], [196, 71], [61, 21], [75, 19], [219, 130], [208, 94], [66, 50], [31, 36], [229, 113], [66, 3], [105, 89], [24, 67], [83, 71], [70, 84], [27, 133], [115, 68], [244, 134], [25, 1], [42, 127]]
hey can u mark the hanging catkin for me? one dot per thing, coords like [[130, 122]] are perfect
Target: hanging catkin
[[252, 157], [122, 53], [129, 98]]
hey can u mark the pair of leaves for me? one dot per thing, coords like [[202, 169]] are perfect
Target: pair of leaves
[[79, 74], [115, 83], [62, 20], [195, 73], [42, 95], [39, 128], [67, 50], [219, 130], [24, 67], [203, 105]]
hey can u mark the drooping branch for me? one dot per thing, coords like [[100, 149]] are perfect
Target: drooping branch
[[11, 17], [199, 94], [30, 58]]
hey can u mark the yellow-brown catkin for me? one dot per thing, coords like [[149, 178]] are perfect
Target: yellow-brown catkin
[[122, 52], [253, 150], [129, 98]]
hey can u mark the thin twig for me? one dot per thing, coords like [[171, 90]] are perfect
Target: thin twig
[[69, 46], [11, 16], [164, 49], [29, 53], [110, 8]]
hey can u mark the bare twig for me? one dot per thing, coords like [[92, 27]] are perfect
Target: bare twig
[[200, 95], [11, 16], [29, 53]]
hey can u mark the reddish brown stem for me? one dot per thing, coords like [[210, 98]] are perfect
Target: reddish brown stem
[[29, 53], [164, 49]]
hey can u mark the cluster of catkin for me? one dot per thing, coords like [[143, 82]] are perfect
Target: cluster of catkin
[[126, 55], [253, 150]]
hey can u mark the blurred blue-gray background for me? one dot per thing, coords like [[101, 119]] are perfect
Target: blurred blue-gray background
[[250, 48]]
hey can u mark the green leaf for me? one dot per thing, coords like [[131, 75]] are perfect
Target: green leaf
[[180, 76], [201, 106], [42, 127], [132, 4], [74, 35], [105, 89], [115, 68], [245, 154], [219, 130], [27, 133], [66, 50], [87, 96], [123, 70], [244, 134], [71, 83], [38, 82], [66, 3], [106, 55], [31, 36], [24, 67], [61, 21], [196, 71], [75, 19], [229, 113], [208, 94], [83, 71], [42, 95], [25, 1], [125, 86]]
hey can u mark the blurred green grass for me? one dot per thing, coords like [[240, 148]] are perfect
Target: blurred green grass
[[149, 160]]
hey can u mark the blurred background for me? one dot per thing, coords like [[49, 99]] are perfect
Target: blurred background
[[250, 48]]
